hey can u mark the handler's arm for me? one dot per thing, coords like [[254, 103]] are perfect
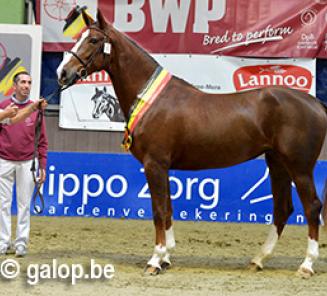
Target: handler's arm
[[9, 112], [28, 110]]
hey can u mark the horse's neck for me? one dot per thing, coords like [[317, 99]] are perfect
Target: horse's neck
[[130, 69]]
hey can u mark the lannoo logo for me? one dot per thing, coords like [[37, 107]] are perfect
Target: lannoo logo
[[250, 77]]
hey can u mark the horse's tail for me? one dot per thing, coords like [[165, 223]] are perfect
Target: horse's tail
[[324, 206], [325, 106]]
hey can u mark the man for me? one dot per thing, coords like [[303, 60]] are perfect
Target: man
[[16, 156]]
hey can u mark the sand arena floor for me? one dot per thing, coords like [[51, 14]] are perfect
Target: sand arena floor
[[209, 259]]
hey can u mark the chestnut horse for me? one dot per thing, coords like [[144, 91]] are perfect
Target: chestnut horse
[[184, 128]]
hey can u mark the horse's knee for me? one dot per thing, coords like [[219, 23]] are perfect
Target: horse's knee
[[312, 211], [159, 217]]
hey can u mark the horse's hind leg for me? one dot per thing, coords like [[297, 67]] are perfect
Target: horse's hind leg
[[312, 207], [283, 207]]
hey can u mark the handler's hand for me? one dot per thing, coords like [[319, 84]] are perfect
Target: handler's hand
[[42, 176], [11, 110], [40, 104], [43, 103]]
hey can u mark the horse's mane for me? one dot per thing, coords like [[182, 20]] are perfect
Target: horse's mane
[[135, 44], [145, 53]]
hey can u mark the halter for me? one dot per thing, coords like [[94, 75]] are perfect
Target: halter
[[95, 53]]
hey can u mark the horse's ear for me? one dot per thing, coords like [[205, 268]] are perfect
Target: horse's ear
[[104, 89], [96, 90], [86, 18], [101, 20]]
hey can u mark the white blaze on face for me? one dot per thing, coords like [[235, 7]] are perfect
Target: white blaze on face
[[68, 55]]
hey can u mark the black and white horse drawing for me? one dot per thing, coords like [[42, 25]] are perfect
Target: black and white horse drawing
[[104, 103]]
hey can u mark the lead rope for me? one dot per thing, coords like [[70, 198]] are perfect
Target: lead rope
[[38, 125], [38, 185]]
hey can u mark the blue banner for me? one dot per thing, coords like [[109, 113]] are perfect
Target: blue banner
[[114, 185]]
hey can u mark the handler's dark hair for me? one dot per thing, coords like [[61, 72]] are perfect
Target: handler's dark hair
[[16, 76]]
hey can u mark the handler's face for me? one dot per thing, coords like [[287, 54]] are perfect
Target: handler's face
[[22, 87]]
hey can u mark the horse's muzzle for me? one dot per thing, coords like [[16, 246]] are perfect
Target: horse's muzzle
[[65, 80]]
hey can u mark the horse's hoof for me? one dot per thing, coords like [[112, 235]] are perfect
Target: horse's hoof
[[304, 273], [255, 267], [151, 270], [165, 266]]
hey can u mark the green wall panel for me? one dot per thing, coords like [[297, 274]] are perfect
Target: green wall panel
[[12, 11]]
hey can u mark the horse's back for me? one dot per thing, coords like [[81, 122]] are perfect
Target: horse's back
[[200, 130]]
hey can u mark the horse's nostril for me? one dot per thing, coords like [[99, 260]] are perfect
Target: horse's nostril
[[63, 74]]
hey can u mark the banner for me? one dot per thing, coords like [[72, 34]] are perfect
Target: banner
[[92, 103], [255, 28], [20, 50], [114, 186]]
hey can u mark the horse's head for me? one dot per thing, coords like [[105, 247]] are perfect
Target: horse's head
[[88, 55], [102, 47], [100, 101]]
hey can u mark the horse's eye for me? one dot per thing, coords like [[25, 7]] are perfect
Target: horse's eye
[[93, 40]]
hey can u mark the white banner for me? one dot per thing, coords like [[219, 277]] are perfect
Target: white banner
[[92, 103], [20, 50], [52, 15]]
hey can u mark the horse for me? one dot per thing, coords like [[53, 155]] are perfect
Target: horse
[[173, 125], [104, 103]]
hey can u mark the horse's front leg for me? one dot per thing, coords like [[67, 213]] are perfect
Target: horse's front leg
[[170, 238], [157, 177]]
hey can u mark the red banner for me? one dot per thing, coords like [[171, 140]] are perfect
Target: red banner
[[250, 77], [255, 28]]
